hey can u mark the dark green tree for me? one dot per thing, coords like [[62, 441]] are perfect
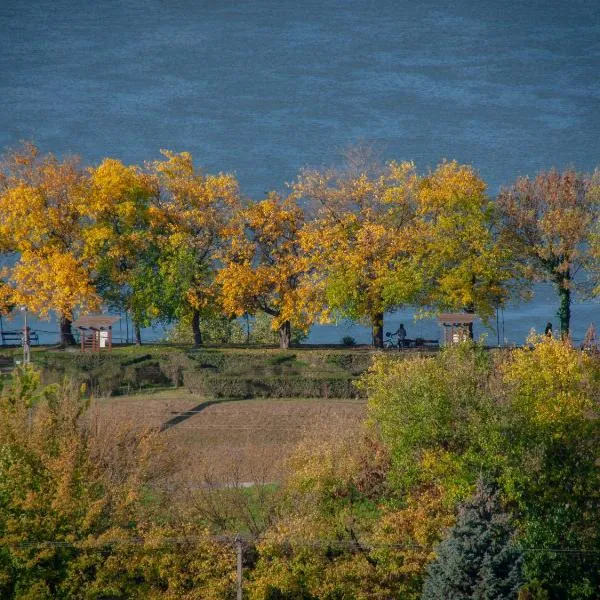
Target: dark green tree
[[478, 560]]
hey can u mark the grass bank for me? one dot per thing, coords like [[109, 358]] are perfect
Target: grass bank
[[211, 372]]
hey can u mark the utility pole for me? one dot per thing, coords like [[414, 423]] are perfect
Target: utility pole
[[498, 325], [238, 545], [26, 361], [26, 341]]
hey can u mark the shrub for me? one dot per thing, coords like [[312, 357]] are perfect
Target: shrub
[[527, 419], [215, 329], [271, 386], [81, 487], [348, 340]]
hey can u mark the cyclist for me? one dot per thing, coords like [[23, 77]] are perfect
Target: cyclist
[[401, 333]]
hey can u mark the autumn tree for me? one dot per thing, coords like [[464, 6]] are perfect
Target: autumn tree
[[463, 265], [41, 203], [265, 268], [119, 241], [593, 264], [85, 511], [526, 419], [548, 220], [550, 444], [189, 217], [360, 241]]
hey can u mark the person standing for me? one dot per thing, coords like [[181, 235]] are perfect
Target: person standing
[[548, 330], [401, 335]]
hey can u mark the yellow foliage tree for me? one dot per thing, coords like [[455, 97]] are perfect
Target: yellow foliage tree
[[119, 241], [80, 503], [265, 268], [338, 537], [360, 241], [41, 203], [189, 217], [463, 265]]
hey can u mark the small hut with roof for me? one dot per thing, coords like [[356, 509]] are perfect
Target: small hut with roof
[[95, 332], [457, 327]]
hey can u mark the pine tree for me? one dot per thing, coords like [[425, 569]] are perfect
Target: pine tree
[[478, 560]]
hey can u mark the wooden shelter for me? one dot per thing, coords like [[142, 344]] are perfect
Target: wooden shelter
[[95, 331], [458, 327]]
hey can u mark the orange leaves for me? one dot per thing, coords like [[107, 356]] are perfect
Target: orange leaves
[[549, 217], [265, 268], [194, 201], [378, 237], [53, 280], [41, 203], [359, 240], [550, 222], [117, 191]]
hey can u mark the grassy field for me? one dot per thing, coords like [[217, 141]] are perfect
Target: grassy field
[[228, 442]]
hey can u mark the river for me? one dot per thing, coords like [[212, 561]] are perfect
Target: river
[[262, 88]]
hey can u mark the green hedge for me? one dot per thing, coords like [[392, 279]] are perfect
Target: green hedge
[[274, 386], [217, 372]]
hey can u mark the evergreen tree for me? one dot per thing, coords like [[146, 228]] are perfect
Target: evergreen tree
[[478, 559]]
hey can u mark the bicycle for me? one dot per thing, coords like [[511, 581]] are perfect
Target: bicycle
[[389, 342]]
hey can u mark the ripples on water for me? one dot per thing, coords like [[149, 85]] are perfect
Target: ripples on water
[[263, 88]]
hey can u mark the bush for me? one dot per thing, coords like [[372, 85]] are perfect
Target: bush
[[527, 419], [261, 331], [271, 386], [82, 488], [348, 340], [215, 329]]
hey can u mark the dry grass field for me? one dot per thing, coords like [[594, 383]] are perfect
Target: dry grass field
[[228, 442]]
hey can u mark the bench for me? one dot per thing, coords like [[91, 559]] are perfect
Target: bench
[[423, 343], [16, 337], [419, 343]]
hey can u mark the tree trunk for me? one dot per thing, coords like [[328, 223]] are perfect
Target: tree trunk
[[377, 329], [247, 317], [66, 333], [470, 310], [138, 334], [564, 310], [285, 335], [196, 328]]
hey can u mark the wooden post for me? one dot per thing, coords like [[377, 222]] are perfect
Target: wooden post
[[238, 545]]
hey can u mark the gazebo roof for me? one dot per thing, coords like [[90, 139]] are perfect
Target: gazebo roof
[[456, 318], [95, 321]]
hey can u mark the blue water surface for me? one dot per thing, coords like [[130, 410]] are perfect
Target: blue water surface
[[262, 88]]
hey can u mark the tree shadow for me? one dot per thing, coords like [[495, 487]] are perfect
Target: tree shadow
[[188, 414]]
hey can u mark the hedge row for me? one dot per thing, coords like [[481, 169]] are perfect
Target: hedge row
[[296, 386], [216, 372]]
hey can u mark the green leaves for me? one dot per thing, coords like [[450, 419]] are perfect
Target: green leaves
[[527, 419]]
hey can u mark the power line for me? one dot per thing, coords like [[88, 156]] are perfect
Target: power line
[[231, 540]]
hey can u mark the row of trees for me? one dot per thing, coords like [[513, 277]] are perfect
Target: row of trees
[[475, 477], [168, 242]]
